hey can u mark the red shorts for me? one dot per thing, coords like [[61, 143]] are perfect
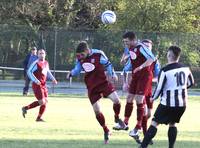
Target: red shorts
[[103, 90], [140, 83], [40, 91]]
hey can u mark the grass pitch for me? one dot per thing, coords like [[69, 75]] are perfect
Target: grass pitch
[[70, 123]]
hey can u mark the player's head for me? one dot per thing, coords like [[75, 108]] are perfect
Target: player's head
[[34, 50], [148, 43], [82, 50], [173, 54], [129, 39], [41, 54]]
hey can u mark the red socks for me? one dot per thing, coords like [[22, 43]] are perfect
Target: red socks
[[32, 105], [116, 108], [128, 111], [144, 124], [100, 118], [140, 113], [41, 111]]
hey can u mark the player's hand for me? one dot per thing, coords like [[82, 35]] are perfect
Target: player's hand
[[55, 81], [125, 87], [69, 75]]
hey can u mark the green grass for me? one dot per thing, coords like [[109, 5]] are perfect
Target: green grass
[[71, 124]]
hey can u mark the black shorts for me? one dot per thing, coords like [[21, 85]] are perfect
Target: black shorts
[[166, 115]]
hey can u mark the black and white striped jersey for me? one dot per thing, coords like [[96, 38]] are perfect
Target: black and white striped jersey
[[173, 81]]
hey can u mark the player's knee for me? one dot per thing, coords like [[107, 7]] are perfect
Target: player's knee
[[154, 123], [129, 98], [42, 101], [172, 125]]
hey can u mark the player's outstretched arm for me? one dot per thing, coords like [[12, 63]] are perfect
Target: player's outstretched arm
[[77, 70]]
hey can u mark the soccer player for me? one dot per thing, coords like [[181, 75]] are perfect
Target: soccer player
[[173, 81], [38, 73], [94, 62], [141, 58], [30, 58], [154, 69]]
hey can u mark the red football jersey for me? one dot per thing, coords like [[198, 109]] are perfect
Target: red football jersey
[[94, 71], [41, 72], [137, 59]]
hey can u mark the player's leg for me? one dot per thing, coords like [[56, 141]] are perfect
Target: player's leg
[[100, 118], [161, 116], [128, 107], [144, 119], [150, 134], [175, 115], [43, 103], [172, 133], [38, 94], [117, 107]]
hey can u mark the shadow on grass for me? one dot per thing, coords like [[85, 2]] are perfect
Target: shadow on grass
[[30, 143]]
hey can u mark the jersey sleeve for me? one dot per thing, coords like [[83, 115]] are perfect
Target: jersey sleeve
[[146, 53], [77, 69], [107, 64], [190, 80], [126, 51], [49, 74], [161, 83], [156, 69], [33, 67], [127, 66]]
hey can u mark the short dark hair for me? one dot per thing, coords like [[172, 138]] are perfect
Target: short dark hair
[[82, 46], [130, 35], [176, 51]]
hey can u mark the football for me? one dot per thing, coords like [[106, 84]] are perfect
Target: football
[[108, 17]]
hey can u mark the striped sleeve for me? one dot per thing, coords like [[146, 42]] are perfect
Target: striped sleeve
[[190, 80], [159, 88], [31, 70]]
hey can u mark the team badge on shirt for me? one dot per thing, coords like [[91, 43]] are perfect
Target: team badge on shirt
[[88, 67], [133, 55]]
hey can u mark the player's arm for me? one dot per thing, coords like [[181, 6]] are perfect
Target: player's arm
[[30, 72], [51, 77], [149, 58], [76, 70], [161, 83], [156, 71], [126, 69], [107, 64], [190, 80]]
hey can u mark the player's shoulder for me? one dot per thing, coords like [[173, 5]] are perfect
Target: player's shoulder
[[97, 51], [173, 66]]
